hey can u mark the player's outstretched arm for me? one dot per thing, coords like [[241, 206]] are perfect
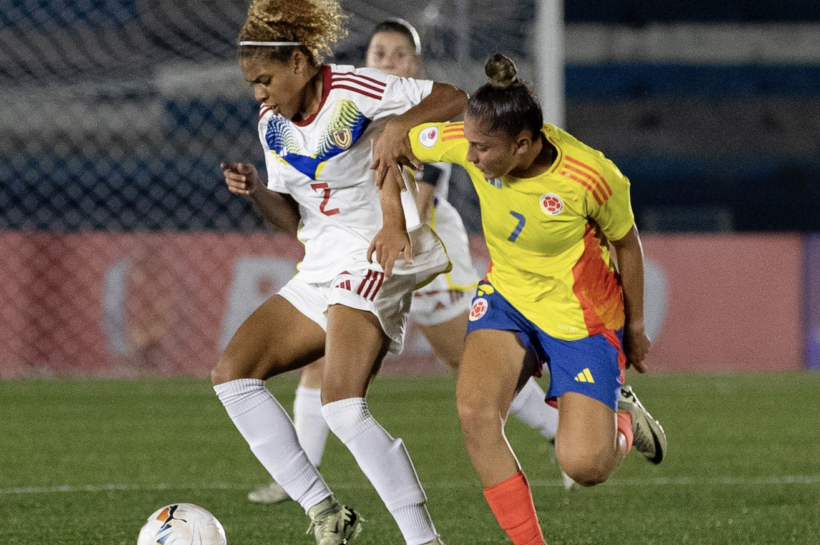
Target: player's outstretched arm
[[277, 208], [392, 148], [630, 265]]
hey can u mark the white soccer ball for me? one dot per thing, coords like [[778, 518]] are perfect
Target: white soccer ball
[[182, 524]]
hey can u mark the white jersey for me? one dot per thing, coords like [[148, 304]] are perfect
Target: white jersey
[[324, 164], [448, 225]]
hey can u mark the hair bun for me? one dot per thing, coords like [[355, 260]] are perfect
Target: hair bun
[[501, 71]]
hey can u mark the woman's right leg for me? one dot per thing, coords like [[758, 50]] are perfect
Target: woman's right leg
[[310, 425], [529, 406], [494, 366], [274, 339]]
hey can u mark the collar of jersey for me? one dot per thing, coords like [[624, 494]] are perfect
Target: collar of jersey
[[325, 90]]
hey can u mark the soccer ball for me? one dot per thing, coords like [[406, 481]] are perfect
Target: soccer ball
[[182, 524]]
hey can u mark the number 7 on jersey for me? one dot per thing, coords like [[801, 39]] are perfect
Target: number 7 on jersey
[[517, 231]]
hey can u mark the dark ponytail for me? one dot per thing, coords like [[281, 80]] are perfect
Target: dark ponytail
[[506, 103]]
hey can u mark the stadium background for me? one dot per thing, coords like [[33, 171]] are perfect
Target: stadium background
[[123, 254]]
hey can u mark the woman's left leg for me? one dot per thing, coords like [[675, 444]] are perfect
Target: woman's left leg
[[586, 378], [589, 445], [356, 345]]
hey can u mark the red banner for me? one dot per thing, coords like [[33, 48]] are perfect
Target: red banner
[[724, 302], [131, 304]]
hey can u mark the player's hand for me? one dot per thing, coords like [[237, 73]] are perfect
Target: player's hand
[[389, 244], [636, 346], [242, 178], [391, 151]]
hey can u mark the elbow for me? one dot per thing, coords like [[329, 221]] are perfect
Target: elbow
[[630, 240], [460, 99], [453, 97], [462, 95]]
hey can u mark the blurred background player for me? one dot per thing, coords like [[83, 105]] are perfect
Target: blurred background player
[[442, 307], [318, 125], [550, 207]]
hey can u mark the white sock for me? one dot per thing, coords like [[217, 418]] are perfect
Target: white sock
[[530, 408], [267, 428], [310, 425], [386, 463]]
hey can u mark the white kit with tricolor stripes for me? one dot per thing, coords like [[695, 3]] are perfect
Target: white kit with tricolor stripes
[[324, 163]]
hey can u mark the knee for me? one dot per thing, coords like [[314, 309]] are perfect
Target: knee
[[348, 418], [478, 419], [452, 361], [220, 373], [337, 388], [584, 468], [449, 354], [228, 369]]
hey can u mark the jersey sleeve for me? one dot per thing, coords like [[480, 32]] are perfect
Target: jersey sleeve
[[610, 206], [274, 181], [439, 143], [401, 94], [272, 164]]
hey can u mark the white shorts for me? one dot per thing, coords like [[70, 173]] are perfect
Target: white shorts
[[433, 307], [365, 288], [449, 294]]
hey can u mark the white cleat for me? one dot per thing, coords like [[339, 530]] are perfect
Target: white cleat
[[648, 436], [333, 523], [569, 484], [269, 493], [436, 541]]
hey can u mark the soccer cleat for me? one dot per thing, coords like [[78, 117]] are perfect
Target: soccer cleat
[[333, 523], [569, 484], [436, 541], [648, 435], [269, 493]]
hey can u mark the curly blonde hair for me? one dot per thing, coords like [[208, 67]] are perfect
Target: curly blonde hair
[[315, 24]]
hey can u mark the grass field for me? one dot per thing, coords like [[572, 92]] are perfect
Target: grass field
[[87, 461]]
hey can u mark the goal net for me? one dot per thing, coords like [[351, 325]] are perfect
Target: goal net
[[122, 251]]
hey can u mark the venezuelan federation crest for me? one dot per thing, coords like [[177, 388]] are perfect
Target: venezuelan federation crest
[[342, 137]]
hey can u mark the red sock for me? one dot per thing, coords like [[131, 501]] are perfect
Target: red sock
[[511, 503], [625, 427]]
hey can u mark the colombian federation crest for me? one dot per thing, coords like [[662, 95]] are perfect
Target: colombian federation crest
[[551, 204], [479, 309], [428, 137], [342, 137]]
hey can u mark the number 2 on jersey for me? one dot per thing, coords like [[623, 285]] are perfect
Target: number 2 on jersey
[[322, 186], [517, 231]]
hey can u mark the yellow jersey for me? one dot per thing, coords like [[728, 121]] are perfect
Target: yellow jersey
[[547, 235]]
